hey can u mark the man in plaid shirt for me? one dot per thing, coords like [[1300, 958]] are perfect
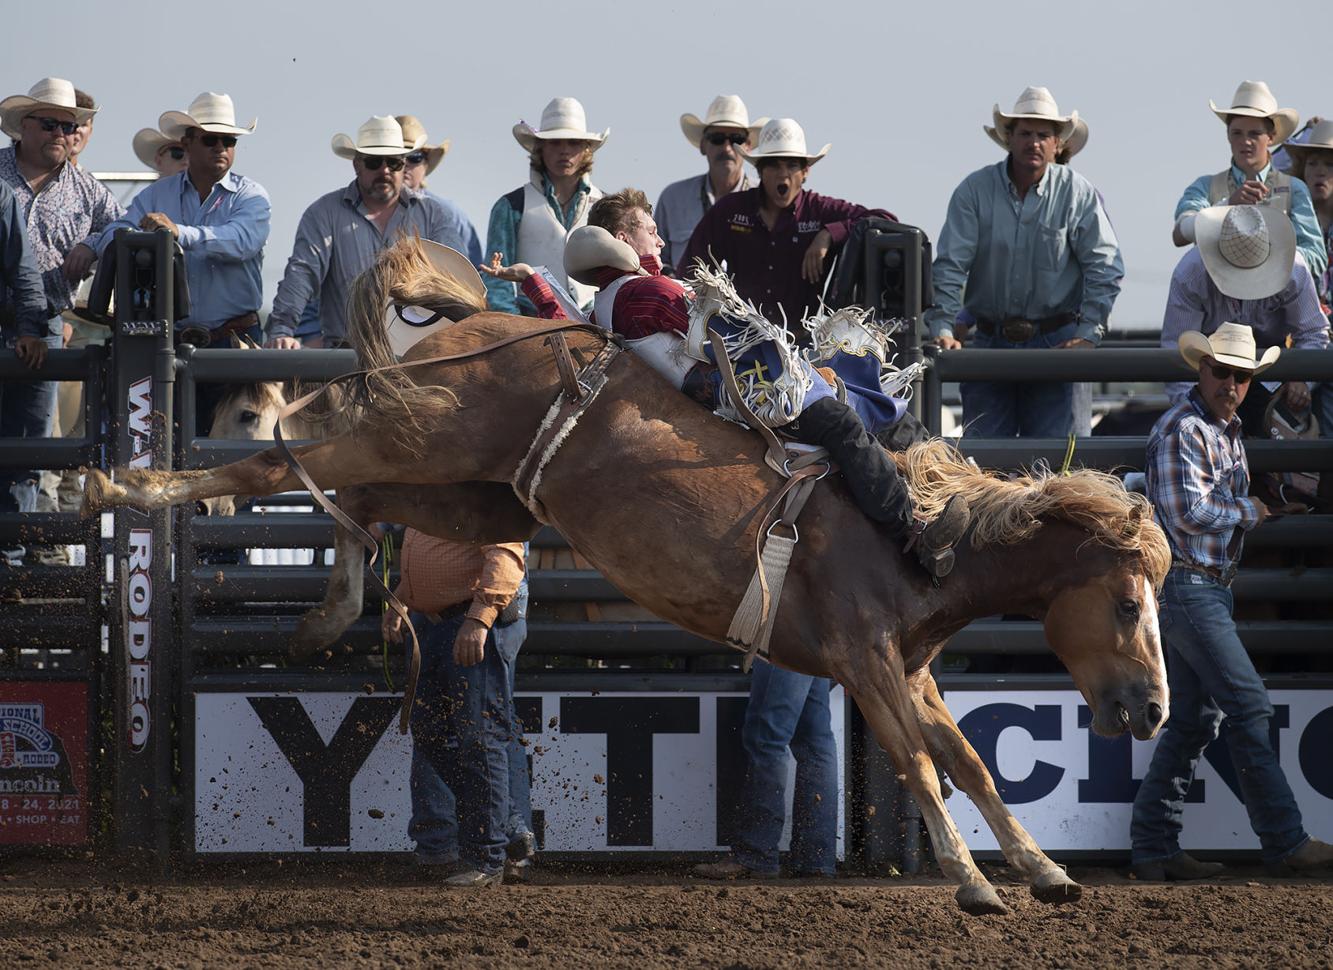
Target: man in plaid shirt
[[1198, 481]]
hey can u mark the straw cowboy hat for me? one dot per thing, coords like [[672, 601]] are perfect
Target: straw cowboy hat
[[414, 129], [562, 118], [380, 135], [52, 93], [148, 142], [782, 138], [1035, 104], [1248, 250], [408, 325], [1074, 144], [1253, 100], [1231, 344], [726, 111], [1320, 140], [210, 112], [592, 247]]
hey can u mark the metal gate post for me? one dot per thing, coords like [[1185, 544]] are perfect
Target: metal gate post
[[142, 646]]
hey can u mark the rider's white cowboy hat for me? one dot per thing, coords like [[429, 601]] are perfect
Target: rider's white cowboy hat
[[1231, 344], [1078, 137], [52, 93], [380, 135], [726, 111], [591, 247], [1035, 104], [148, 142], [1248, 250], [782, 138], [210, 112], [414, 129], [1253, 100], [1320, 140], [563, 118], [408, 325]]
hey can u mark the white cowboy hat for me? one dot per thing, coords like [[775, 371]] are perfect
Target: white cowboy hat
[[1231, 344], [1248, 250], [413, 130], [1036, 104], [54, 93], [408, 325], [1073, 144], [1253, 100], [148, 142], [782, 138], [380, 135], [562, 118], [726, 111], [1320, 140], [210, 112], [592, 247]]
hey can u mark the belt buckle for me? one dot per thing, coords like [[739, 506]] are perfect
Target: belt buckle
[[1016, 330], [197, 336]]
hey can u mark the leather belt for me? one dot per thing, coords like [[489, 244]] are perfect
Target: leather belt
[[1221, 576], [505, 617], [1017, 330], [204, 337]]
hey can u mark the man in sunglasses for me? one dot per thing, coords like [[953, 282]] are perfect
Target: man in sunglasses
[[1198, 481], [421, 162], [1245, 268], [719, 136], [342, 232], [163, 155]]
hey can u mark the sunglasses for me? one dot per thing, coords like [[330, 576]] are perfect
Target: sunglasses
[[51, 124], [1222, 373], [395, 163], [416, 158], [211, 141], [176, 153], [720, 138]]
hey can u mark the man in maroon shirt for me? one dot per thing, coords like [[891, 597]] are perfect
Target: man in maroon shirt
[[776, 239]]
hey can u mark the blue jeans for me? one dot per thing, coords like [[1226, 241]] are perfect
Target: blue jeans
[[469, 783], [788, 710], [27, 410], [1211, 678], [1022, 409]]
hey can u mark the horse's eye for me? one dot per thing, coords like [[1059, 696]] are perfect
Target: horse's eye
[[1128, 608], [249, 417]]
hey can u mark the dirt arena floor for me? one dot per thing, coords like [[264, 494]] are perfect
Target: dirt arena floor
[[71, 914]]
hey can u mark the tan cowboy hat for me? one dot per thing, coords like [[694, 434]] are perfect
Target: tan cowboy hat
[[592, 247], [408, 325], [562, 118], [726, 111], [413, 129], [210, 112], [148, 142], [52, 93], [1231, 344], [1078, 137], [1036, 104], [1248, 250], [1320, 140], [380, 135], [1253, 100], [782, 138]]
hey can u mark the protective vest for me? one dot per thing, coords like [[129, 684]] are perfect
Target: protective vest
[[541, 237], [664, 352], [1279, 189]]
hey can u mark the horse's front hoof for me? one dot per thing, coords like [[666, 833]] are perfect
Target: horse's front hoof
[[312, 634], [97, 490], [1055, 887], [980, 899]]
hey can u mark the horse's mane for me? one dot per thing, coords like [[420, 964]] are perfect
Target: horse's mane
[[1005, 511]]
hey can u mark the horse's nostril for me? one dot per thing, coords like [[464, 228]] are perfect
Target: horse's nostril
[[1153, 710]]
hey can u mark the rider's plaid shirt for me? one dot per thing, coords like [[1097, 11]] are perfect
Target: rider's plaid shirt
[[1198, 482]]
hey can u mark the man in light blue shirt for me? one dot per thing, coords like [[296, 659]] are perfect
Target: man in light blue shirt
[[220, 219], [420, 164], [1028, 251], [1256, 126]]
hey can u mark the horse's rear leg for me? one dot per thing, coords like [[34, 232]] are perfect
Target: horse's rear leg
[[952, 752], [344, 597], [882, 695]]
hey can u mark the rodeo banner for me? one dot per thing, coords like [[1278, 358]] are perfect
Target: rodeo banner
[[43, 763]]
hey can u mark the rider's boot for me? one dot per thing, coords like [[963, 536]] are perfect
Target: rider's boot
[[933, 541]]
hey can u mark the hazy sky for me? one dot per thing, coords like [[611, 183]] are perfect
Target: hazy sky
[[901, 90]]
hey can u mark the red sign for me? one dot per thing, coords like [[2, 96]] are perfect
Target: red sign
[[43, 763]]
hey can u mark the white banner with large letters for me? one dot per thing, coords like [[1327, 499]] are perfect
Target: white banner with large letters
[[618, 772], [1074, 790]]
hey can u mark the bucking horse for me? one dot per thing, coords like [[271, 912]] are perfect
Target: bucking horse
[[666, 500]]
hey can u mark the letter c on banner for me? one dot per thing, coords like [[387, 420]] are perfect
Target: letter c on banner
[[983, 727], [1316, 743]]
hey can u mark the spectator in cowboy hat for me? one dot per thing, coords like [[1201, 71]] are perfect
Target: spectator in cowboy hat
[[1244, 269], [530, 224], [1255, 126], [165, 156], [1028, 251], [776, 239], [1198, 482], [1312, 163], [719, 136], [342, 232], [421, 163]]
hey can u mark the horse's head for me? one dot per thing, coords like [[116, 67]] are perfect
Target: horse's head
[[245, 412]]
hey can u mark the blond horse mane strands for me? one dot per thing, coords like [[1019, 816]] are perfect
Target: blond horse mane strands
[[1005, 511]]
